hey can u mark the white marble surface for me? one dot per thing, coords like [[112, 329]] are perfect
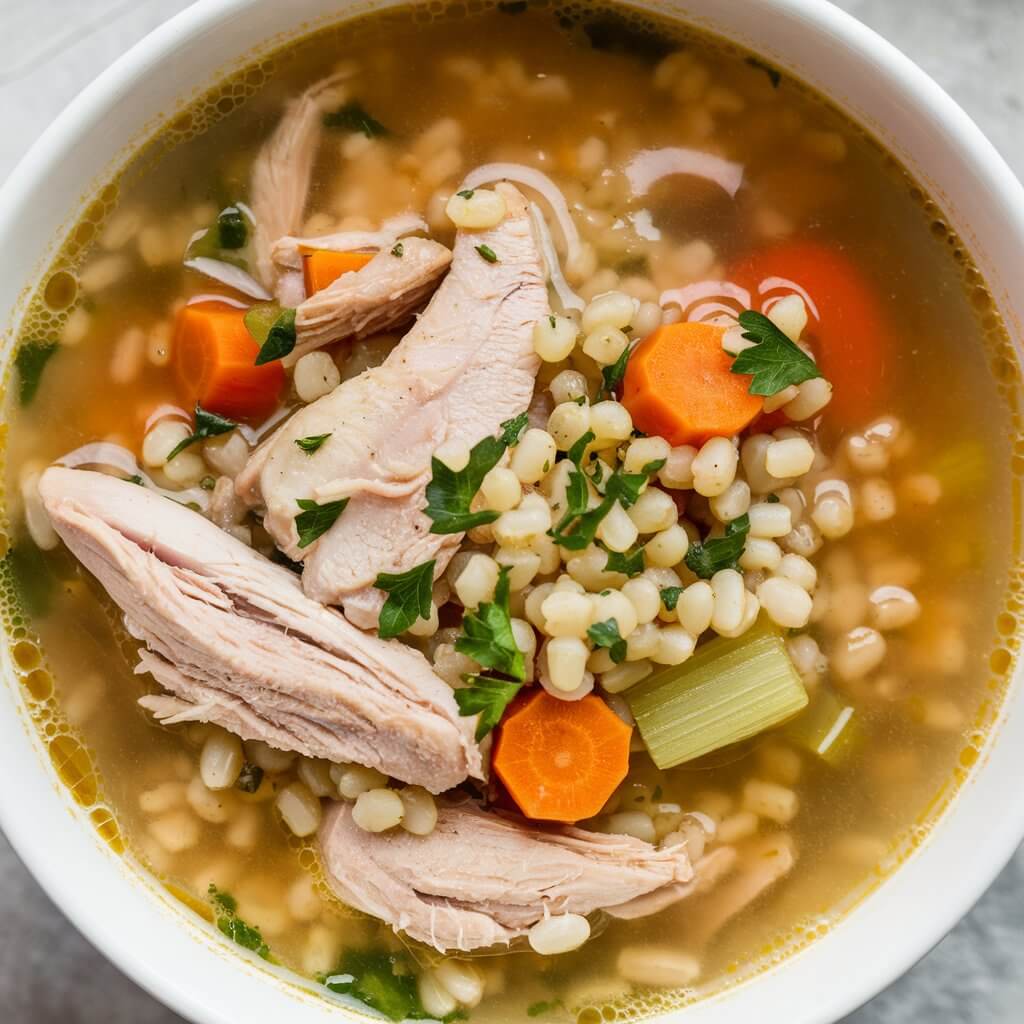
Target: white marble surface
[[48, 973]]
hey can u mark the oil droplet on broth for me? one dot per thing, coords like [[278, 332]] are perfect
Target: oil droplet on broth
[[26, 655], [61, 290], [74, 768], [39, 684], [108, 829]]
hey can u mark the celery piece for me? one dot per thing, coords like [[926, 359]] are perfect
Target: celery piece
[[829, 729], [729, 690]]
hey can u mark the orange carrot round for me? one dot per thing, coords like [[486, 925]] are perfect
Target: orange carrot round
[[322, 267], [850, 336], [214, 363], [679, 386], [561, 760]]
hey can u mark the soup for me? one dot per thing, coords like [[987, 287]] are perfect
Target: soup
[[668, 556]]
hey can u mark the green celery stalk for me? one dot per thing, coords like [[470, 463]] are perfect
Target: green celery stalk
[[829, 729], [728, 691]]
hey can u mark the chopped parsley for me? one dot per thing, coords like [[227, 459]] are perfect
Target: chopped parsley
[[385, 982], [207, 483], [488, 639], [466, 193], [274, 330], [707, 557], [450, 492], [611, 376], [208, 424], [409, 598], [30, 361], [629, 562], [232, 228], [250, 778], [312, 443], [775, 362], [670, 597], [315, 520], [223, 239], [487, 253], [352, 117], [606, 634], [398, 249], [225, 913], [652, 467]]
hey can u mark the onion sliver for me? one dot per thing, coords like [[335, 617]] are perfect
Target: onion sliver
[[701, 291], [540, 183], [230, 275], [287, 251], [651, 165], [568, 298]]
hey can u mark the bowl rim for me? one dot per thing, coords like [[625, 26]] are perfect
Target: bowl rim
[[1007, 830]]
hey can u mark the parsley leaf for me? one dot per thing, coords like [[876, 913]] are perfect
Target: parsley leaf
[[250, 778], [208, 424], [352, 117], [232, 228], [578, 527], [466, 193], [670, 597], [225, 912], [450, 492], [409, 594], [775, 362], [611, 376], [486, 697], [512, 430], [487, 635], [277, 340], [606, 634], [398, 249], [315, 520], [487, 253], [312, 443], [705, 558], [652, 467], [629, 562], [382, 981], [30, 361], [579, 447]]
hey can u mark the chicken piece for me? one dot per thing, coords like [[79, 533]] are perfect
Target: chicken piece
[[280, 182], [465, 367], [484, 878], [237, 643], [380, 296]]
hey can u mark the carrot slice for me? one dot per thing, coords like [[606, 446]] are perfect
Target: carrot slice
[[561, 760], [679, 386], [214, 363], [322, 267], [851, 339]]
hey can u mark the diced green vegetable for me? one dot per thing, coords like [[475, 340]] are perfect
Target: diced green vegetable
[[729, 690], [829, 729]]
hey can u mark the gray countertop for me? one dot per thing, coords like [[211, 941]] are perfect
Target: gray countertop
[[48, 972]]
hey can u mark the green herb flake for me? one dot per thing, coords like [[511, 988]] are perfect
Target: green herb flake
[[247, 936], [487, 253], [207, 483], [352, 117], [487, 635], [450, 492], [670, 597], [629, 562], [398, 249], [705, 558], [773, 499], [486, 697], [136, 478], [580, 399], [774, 361], [315, 520], [611, 376], [275, 341], [552, 321], [466, 193], [385, 982], [512, 430], [30, 362], [250, 778], [312, 443], [652, 467], [606, 634], [409, 598], [232, 228], [207, 424]]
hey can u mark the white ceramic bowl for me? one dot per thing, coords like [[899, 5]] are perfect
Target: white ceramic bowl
[[132, 920]]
